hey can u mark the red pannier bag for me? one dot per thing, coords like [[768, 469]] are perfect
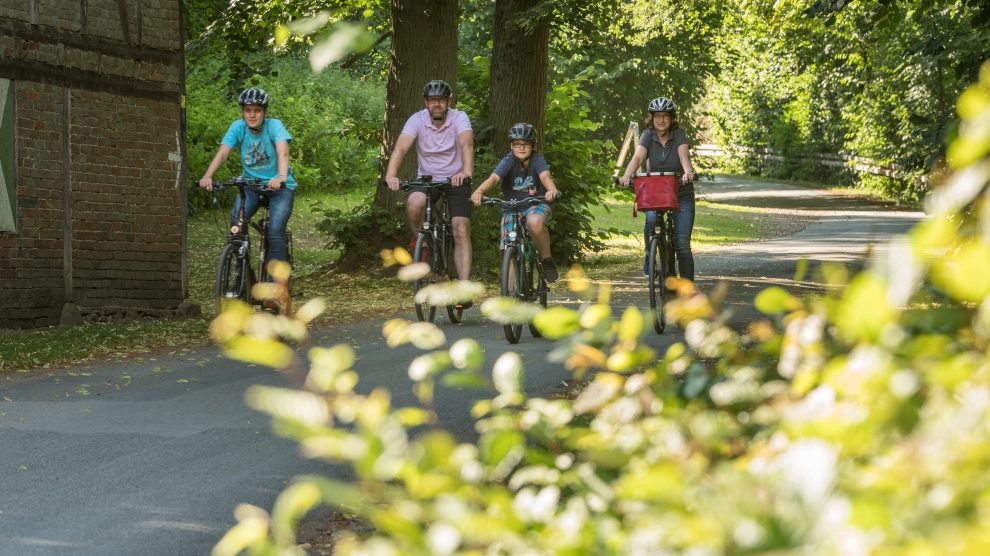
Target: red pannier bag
[[656, 191]]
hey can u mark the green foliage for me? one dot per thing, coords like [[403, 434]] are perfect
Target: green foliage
[[841, 424], [866, 79], [332, 116], [570, 145], [243, 32]]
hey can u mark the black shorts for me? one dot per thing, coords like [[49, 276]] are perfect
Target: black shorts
[[458, 199]]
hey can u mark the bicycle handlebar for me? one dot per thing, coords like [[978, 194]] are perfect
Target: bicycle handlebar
[[616, 183], [512, 204], [251, 183], [428, 183]]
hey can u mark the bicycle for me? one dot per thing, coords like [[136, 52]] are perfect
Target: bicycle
[[656, 192], [434, 244], [235, 274], [520, 264]]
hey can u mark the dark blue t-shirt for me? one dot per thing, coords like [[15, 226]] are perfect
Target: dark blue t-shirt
[[519, 182]]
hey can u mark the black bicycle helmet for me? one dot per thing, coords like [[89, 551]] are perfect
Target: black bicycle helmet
[[436, 88], [255, 96], [522, 131], [662, 104]]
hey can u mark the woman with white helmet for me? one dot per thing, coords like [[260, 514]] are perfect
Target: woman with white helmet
[[666, 148]]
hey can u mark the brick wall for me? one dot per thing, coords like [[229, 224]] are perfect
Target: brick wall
[[100, 196]]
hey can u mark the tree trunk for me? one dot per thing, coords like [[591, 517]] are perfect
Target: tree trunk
[[518, 70], [424, 47]]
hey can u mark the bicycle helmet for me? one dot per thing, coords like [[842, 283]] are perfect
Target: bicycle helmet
[[255, 96], [522, 131], [436, 88], [662, 104]]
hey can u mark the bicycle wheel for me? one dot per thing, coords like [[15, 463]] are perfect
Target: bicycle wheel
[[454, 312], [424, 252], [230, 283], [537, 285], [512, 279], [657, 270]]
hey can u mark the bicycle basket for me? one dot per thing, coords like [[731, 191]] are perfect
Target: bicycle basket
[[656, 192]]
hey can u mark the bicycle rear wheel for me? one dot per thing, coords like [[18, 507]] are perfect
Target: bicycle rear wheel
[[454, 312], [512, 280], [657, 271], [537, 285], [425, 252], [230, 282]]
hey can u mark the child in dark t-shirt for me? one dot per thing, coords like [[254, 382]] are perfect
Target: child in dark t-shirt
[[523, 173]]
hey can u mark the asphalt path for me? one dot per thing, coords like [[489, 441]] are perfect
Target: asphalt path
[[150, 457]]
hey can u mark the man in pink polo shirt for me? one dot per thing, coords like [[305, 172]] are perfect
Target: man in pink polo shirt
[[445, 150]]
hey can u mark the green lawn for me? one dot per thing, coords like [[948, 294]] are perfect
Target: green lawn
[[715, 225]]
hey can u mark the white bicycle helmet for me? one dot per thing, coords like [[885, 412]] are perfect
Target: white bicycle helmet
[[254, 96], [662, 104]]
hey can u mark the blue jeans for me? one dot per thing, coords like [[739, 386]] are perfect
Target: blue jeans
[[279, 210], [683, 226]]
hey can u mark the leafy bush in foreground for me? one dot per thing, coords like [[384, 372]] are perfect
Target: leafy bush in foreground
[[856, 421]]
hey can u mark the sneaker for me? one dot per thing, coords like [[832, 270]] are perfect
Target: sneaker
[[550, 271], [646, 268]]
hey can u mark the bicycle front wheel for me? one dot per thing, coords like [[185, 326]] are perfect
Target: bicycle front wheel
[[454, 312], [230, 283], [512, 280], [657, 271], [425, 252], [537, 285]]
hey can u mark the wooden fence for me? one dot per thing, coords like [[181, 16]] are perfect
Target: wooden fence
[[856, 163]]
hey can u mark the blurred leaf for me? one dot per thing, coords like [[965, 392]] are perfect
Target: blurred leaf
[[557, 322], [262, 351]]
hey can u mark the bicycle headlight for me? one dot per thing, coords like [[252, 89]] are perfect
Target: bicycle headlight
[[234, 229], [512, 235]]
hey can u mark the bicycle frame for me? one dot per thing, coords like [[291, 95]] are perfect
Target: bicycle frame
[[435, 236], [518, 278], [660, 265], [239, 241]]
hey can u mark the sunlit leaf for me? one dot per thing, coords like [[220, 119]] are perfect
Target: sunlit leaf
[[346, 38], [327, 364], [965, 272], [557, 322], [775, 300], [263, 351], [507, 374], [631, 324], [413, 272], [467, 353], [864, 310], [504, 310], [293, 503]]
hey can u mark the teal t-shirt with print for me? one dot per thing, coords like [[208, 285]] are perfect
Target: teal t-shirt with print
[[257, 150]]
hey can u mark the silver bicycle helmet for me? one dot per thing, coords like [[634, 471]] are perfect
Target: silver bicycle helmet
[[436, 88], [255, 96], [662, 104], [522, 131]]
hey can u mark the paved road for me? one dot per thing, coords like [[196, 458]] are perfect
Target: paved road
[[150, 457]]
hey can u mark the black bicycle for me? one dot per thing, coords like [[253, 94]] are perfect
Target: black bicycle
[[660, 259], [235, 273], [434, 244], [522, 275]]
